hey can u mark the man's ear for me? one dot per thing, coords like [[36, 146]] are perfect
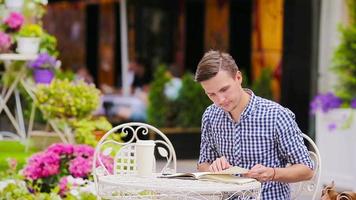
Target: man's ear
[[238, 77]]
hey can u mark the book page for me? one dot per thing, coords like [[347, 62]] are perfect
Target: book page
[[233, 170], [197, 175], [226, 178]]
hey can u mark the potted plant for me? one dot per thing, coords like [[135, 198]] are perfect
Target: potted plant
[[62, 102], [43, 68], [336, 112], [29, 38]]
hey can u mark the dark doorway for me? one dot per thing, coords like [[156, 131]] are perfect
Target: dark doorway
[[300, 44], [241, 34]]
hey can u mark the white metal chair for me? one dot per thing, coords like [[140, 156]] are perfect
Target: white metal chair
[[312, 186], [123, 154]]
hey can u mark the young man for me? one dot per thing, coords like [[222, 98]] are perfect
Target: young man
[[241, 129]]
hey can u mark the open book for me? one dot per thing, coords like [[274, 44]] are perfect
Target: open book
[[227, 176]]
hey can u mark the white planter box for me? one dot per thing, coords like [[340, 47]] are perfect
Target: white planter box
[[28, 45], [336, 139]]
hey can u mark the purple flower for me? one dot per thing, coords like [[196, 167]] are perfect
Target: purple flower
[[43, 60], [353, 103], [5, 41], [332, 126], [14, 21], [325, 102]]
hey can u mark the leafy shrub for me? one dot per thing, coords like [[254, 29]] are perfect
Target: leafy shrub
[[66, 100]]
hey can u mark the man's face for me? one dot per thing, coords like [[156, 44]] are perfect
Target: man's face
[[224, 90]]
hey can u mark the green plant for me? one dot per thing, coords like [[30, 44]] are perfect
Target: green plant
[[84, 129], [31, 30], [48, 44], [184, 111], [158, 104], [66, 100], [344, 64], [191, 102], [13, 71], [262, 85]]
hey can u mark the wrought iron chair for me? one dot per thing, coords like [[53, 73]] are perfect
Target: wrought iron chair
[[111, 148], [312, 186]]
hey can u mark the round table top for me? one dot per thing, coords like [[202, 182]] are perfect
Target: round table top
[[174, 184]]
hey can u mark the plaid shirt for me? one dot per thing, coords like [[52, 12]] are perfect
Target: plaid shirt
[[266, 134]]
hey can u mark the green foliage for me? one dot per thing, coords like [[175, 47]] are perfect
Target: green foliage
[[48, 45], [184, 111], [191, 103], [12, 150], [351, 5], [344, 64], [65, 74], [158, 104], [13, 71], [262, 86], [84, 130], [31, 30], [19, 191], [63, 99]]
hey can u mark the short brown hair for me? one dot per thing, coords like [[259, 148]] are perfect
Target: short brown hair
[[212, 62]]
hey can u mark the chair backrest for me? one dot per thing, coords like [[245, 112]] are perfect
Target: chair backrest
[[312, 186], [113, 156]]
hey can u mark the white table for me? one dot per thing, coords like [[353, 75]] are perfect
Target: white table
[[134, 187]]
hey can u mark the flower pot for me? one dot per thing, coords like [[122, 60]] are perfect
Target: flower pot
[[335, 137], [14, 4], [43, 76], [28, 45]]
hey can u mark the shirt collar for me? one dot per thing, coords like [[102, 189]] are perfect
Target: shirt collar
[[250, 108]]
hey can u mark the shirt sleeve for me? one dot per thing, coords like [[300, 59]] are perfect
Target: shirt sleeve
[[208, 151], [291, 144]]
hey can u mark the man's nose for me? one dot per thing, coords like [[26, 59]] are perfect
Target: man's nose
[[220, 98]]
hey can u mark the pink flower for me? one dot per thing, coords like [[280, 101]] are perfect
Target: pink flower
[[83, 150], [61, 149], [42, 165], [14, 20], [63, 185], [5, 41], [80, 167], [59, 164], [12, 162]]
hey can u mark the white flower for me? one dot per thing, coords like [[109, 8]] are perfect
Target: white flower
[[171, 89]]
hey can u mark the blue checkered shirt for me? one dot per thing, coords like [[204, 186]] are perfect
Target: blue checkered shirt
[[266, 134]]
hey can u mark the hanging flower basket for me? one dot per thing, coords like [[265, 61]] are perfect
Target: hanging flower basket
[[28, 45], [43, 76]]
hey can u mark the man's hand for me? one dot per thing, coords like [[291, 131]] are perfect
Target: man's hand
[[219, 164], [261, 173]]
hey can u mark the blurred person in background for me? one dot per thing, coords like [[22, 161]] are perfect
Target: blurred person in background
[[133, 107]]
